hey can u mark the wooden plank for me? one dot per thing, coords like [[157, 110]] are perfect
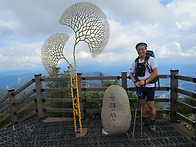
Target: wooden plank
[[186, 119], [95, 89], [97, 100], [24, 86], [101, 78], [25, 97], [58, 99], [4, 98], [186, 106], [28, 116], [163, 76], [185, 78], [25, 107], [4, 108], [93, 111], [7, 125], [5, 117], [59, 110], [56, 89], [185, 92], [161, 100], [162, 88], [156, 88], [55, 79]]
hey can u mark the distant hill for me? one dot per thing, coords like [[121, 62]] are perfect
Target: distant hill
[[90, 74], [9, 80], [3, 92], [16, 80]]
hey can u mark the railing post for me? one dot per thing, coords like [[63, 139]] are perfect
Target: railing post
[[79, 75], [124, 79], [12, 106], [39, 95], [194, 137], [173, 95]]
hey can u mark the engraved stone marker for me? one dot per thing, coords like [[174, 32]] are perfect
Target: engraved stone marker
[[115, 113]]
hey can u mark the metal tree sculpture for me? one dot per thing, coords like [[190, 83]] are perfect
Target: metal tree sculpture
[[90, 25], [52, 52]]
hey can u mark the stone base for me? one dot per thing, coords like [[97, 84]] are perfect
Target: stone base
[[84, 132]]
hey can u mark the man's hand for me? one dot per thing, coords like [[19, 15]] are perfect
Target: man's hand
[[142, 82], [137, 84]]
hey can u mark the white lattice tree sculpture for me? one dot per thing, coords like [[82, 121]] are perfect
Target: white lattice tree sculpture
[[90, 25], [52, 52]]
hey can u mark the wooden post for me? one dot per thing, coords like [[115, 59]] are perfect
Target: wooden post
[[79, 75], [124, 79], [194, 94], [173, 95], [39, 95], [12, 106]]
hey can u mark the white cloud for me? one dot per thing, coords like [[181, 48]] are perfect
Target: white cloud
[[18, 54], [168, 29], [134, 10], [184, 13], [173, 49]]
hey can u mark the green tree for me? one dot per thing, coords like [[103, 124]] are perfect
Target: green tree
[[188, 100], [64, 94]]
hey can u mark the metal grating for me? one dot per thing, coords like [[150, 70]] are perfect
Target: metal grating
[[35, 132]]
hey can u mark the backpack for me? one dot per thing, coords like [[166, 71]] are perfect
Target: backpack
[[141, 67]]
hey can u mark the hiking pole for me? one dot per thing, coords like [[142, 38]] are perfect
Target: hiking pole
[[133, 133], [138, 92], [141, 118], [141, 108]]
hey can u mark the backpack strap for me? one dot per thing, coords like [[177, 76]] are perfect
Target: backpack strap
[[136, 61], [147, 64]]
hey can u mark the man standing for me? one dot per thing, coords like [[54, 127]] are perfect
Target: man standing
[[141, 68]]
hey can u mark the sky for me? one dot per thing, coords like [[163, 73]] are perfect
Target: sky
[[167, 26]]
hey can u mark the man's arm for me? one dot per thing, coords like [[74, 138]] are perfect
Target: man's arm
[[134, 80], [153, 75]]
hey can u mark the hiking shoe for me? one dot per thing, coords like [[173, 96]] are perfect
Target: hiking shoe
[[144, 122], [152, 126]]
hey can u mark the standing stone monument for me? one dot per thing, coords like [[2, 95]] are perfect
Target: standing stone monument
[[115, 113]]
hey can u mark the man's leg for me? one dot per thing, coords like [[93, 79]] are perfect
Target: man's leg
[[152, 110], [150, 98]]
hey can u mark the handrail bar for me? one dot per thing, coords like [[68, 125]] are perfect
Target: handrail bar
[[25, 97], [24, 86], [185, 92], [4, 98], [4, 108], [45, 79], [185, 78]]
